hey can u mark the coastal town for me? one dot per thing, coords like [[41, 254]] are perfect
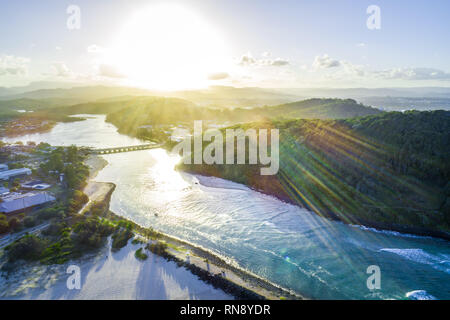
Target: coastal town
[[24, 186], [25, 124]]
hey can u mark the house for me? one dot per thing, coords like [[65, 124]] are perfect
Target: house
[[16, 202], [35, 185], [3, 167], [8, 174]]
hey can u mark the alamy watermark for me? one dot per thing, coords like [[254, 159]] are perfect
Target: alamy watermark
[[374, 280], [374, 20], [74, 19], [213, 152], [74, 280]]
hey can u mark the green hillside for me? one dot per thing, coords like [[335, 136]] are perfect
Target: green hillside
[[390, 170], [155, 110]]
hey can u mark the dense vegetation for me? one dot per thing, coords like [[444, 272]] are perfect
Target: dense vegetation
[[70, 235], [390, 170], [318, 109], [169, 111], [129, 113], [62, 240]]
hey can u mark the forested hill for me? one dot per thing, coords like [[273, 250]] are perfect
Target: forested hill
[[390, 170], [144, 110], [321, 109], [128, 113]]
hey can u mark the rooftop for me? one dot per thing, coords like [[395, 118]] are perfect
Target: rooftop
[[5, 175], [19, 201]]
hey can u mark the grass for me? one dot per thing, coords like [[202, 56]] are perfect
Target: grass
[[137, 241], [140, 255], [176, 248]]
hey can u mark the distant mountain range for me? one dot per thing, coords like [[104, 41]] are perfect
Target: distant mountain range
[[65, 93]]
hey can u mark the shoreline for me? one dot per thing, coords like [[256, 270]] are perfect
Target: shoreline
[[8, 134], [209, 267], [379, 226]]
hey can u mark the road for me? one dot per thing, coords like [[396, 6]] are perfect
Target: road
[[10, 238]]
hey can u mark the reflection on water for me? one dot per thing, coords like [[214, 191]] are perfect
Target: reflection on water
[[281, 242], [284, 243], [93, 132]]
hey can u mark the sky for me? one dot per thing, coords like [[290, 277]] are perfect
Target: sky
[[165, 44]]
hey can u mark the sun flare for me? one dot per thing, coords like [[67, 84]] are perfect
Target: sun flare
[[168, 47]]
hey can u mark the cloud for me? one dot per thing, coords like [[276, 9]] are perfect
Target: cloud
[[361, 44], [60, 69], [345, 69], [325, 62], [278, 62], [218, 76], [353, 69], [109, 71], [93, 48], [248, 60], [413, 74], [12, 65]]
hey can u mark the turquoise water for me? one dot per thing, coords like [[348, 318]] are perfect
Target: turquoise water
[[281, 242]]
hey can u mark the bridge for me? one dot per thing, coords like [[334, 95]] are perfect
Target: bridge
[[125, 148]]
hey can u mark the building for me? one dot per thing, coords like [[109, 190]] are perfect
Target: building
[[17, 202], [3, 191], [3, 167], [35, 185], [8, 174]]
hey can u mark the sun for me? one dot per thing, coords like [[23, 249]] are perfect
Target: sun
[[168, 47]]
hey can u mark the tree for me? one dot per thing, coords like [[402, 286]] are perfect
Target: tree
[[15, 224], [72, 154], [16, 183], [4, 226], [29, 247], [70, 176], [55, 162], [29, 222]]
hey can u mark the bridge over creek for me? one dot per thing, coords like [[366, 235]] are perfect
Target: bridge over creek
[[125, 148]]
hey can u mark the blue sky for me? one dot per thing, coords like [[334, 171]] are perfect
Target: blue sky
[[260, 43]]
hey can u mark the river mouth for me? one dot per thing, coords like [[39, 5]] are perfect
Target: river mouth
[[283, 243]]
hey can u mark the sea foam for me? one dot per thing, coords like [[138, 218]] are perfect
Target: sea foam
[[420, 295]]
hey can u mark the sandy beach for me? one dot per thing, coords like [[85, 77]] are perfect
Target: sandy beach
[[109, 275]]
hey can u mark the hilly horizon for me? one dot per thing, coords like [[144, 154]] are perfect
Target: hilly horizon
[[422, 98]]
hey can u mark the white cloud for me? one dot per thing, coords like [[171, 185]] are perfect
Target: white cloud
[[413, 74], [324, 62], [353, 69], [109, 71], [278, 62], [60, 69], [93, 48], [341, 70], [249, 60], [12, 65], [218, 76]]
